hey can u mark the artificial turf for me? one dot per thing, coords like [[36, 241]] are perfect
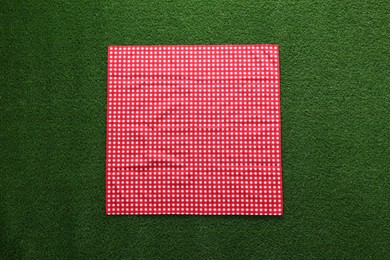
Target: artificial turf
[[335, 105]]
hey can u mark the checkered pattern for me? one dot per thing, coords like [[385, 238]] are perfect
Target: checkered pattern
[[193, 130]]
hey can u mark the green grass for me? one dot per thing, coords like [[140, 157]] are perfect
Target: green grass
[[336, 132]]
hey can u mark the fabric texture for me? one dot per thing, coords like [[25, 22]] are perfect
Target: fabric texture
[[194, 129]]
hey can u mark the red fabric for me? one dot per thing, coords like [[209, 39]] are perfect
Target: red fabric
[[194, 130]]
